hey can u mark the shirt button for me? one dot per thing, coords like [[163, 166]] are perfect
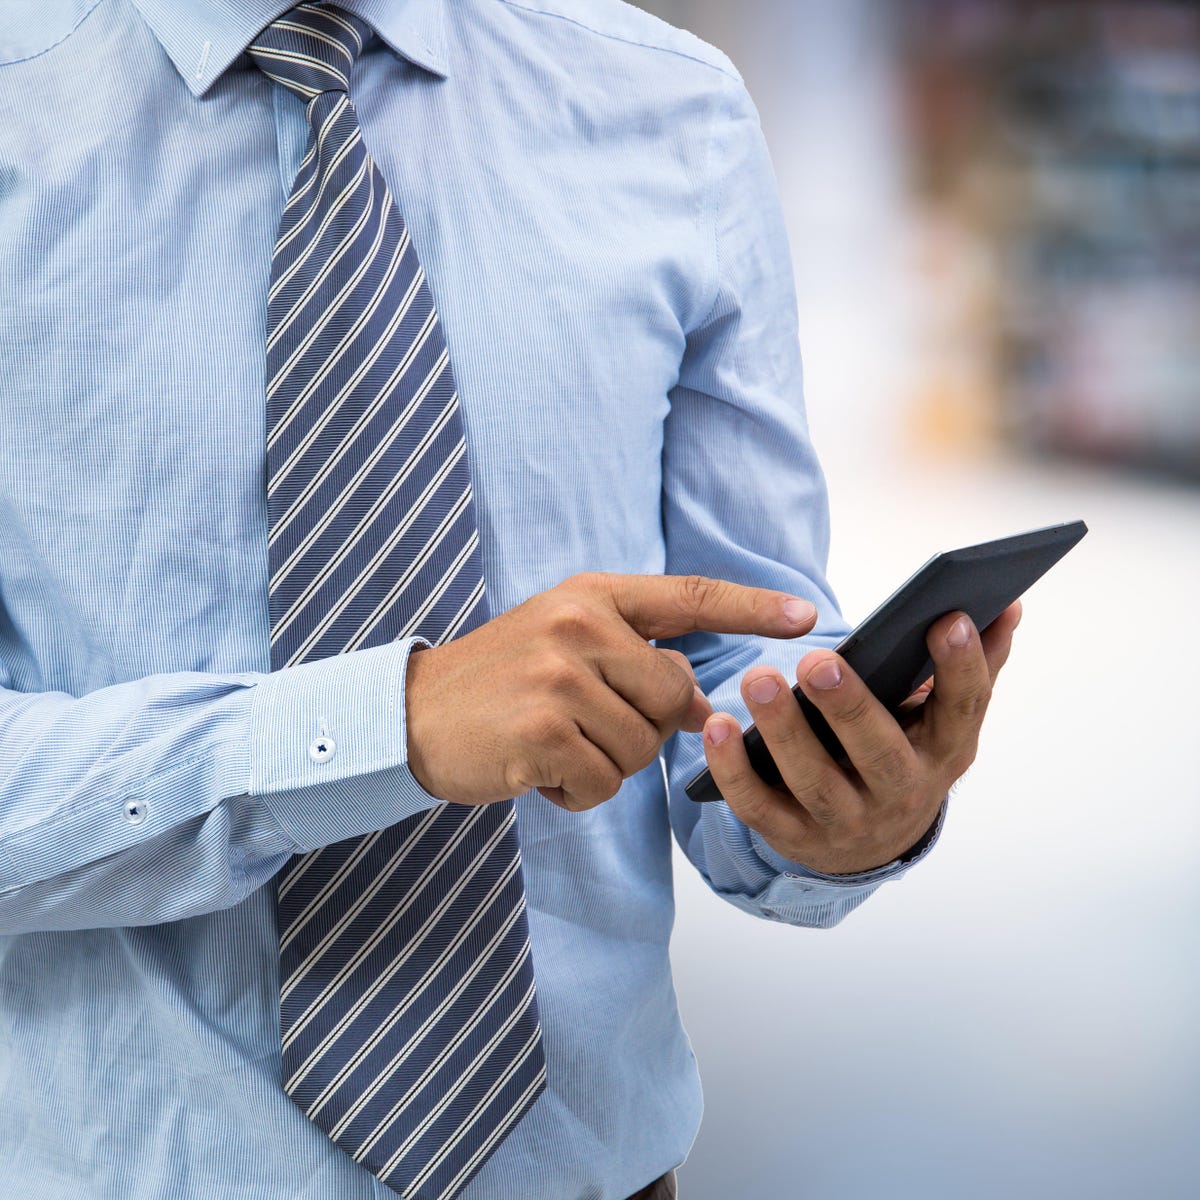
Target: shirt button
[[136, 810], [322, 749]]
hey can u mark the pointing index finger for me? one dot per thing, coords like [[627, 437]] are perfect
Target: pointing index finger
[[662, 606]]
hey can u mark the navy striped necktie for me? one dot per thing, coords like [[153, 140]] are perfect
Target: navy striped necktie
[[408, 1018]]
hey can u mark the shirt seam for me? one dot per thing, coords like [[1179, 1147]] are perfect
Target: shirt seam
[[627, 41], [11, 62], [716, 197]]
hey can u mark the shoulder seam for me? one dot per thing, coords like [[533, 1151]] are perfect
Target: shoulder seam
[[616, 37]]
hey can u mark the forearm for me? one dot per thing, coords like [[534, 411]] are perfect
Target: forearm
[[181, 793]]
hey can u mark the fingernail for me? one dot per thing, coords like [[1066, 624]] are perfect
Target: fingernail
[[960, 632], [716, 732], [825, 675], [763, 690], [799, 612]]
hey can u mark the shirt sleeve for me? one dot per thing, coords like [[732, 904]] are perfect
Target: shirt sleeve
[[182, 793], [744, 499]]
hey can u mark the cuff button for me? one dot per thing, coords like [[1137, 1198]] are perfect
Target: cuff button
[[322, 749]]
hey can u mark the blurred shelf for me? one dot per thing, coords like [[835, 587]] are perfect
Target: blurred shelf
[[1065, 138]]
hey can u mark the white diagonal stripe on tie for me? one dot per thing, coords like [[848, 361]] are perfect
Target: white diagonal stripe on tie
[[347, 916], [444, 1006], [311, 289], [306, 31], [313, 956], [417, 1132], [365, 417], [333, 510], [367, 573], [362, 529], [382, 343], [303, 862], [384, 393], [484, 1101], [299, 59], [327, 14], [427, 552], [414, 943], [283, 79], [439, 589], [465, 553], [463, 613], [329, 886], [499, 1131], [343, 198], [365, 266], [295, 225], [465, 1030]]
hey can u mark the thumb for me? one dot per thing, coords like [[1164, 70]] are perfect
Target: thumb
[[661, 606]]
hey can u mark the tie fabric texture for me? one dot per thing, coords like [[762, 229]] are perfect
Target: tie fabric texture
[[407, 1009]]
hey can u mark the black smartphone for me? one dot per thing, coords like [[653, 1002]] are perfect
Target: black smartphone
[[888, 649]]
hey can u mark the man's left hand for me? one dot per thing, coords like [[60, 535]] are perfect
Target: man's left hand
[[844, 818]]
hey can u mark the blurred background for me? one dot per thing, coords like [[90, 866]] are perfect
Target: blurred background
[[994, 212]]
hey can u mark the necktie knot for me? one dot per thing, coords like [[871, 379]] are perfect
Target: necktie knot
[[311, 49]]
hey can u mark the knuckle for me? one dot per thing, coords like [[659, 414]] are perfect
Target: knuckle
[[611, 784], [644, 746], [816, 788], [570, 801], [520, 775], [555, 732], [824, 812], [598, 784], [676, 691], [786, 734], [698, 591], [744, 794], [571, 619], [748, 802], [973, 705], [679, 659], [897, 771], [855, 710], [581, 581], [559, 674], [833, 802]]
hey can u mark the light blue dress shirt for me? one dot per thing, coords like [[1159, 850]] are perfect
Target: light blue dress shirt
[[590, 194]]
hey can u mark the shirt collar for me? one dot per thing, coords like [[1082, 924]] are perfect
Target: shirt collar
[[203, 37]]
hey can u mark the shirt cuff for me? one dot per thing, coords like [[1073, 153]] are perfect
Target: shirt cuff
[[799, 887], [328, 746]]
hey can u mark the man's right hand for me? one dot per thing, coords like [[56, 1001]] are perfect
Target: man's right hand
[[565, 694]]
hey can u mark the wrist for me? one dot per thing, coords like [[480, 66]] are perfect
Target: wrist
[[416, 681]]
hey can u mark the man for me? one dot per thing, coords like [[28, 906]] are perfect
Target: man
[[262, 721]]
